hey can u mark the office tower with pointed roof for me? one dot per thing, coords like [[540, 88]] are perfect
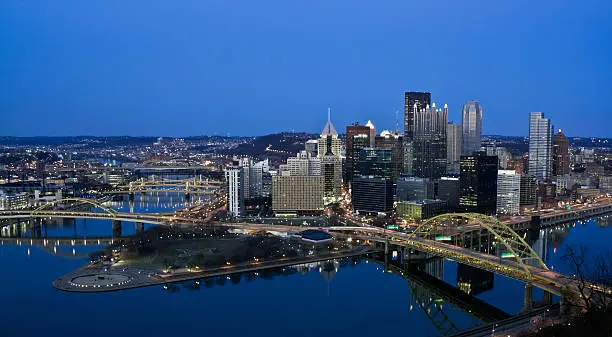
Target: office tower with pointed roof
[[329, 141], [330, 147]]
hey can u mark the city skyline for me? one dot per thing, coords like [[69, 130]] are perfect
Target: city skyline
[[204, 161], [112, 69]]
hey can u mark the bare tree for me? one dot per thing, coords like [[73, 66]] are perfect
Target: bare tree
[[587, 273]]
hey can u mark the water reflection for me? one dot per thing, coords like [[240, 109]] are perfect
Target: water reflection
[[434, 298]]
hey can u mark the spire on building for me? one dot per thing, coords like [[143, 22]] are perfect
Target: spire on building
[[329, 129]]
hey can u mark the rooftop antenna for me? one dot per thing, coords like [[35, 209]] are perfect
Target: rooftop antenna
[[329, 119], [397, 121]]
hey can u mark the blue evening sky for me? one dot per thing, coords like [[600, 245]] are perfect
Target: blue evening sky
[[193, 67]]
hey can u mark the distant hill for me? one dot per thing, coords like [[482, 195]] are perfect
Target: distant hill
[[92, 141], [276, 147]]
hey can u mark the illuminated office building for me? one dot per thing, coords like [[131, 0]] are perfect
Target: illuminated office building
[[561, 160], [472, 127], [478, 183], [358, 137], [540, 146], [420, 100], [429, 142], [508, 192], [394, 142], [454, 136]]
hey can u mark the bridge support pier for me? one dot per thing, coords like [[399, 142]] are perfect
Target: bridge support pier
[[547, 298], [528, 297], [117, 228], [131, 196], [139, 227], [187, 196], [35, 228]]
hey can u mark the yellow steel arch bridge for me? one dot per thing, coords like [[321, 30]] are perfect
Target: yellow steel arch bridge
[[519, 261], [505, 236], [192, 185], [106, 213]]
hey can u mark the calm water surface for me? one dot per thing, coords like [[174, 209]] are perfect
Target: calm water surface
[[357, 299]]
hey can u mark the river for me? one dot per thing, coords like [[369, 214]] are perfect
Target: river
[[353, 298]]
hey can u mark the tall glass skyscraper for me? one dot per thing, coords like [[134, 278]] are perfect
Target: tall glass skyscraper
[[472, 127], [478, 183], [429, 143], [411, 98], [453, 147], [540, 146]]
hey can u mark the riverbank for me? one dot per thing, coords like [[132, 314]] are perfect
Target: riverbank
[[99, 278]]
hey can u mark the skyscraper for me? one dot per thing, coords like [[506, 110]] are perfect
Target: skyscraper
[[235, 183], [429, 142], [253, 173], [421, 100], [540, 146], [478, 183], [508, 192], [560, 164], [529, 188], [394, 142], [331, 169], [331, 163], [299, 187], [372, 132], [372, 195], [375, 162], [329, 141], [454, 135], [301, 195], [448, 190], [472, 127], [357, 137]]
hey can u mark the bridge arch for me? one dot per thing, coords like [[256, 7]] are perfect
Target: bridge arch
[[94, 203], [502, 233]]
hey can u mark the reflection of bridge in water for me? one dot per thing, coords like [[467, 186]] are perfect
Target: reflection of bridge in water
[[57, 245], [187, 186], [107, 213], [430, 293], [503, 251]]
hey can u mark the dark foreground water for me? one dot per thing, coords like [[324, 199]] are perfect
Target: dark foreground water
[[352, 298]]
